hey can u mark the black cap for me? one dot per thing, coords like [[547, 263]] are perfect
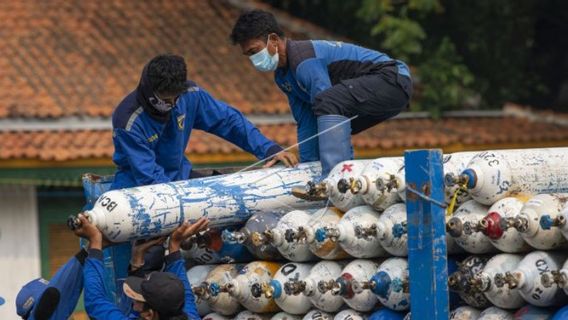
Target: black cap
[[162, 291]]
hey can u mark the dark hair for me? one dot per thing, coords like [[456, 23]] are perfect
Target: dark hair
[[254, 24], [182, 316], [167, 74]]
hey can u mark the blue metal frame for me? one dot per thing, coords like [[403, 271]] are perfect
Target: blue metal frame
[[427, 252]]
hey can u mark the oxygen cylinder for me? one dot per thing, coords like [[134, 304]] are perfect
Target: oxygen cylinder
[[548, 221], [359, 270], [459, 227], [561, 314], [556, 277], [257, 223], [356, 233], [349, 314], [285, 316], [494, 313], [493, 175], [220, 302], [464, 313], [209, 248], [297, 251], [294, 304], [389, 283], [247, 315], [321, 271], [393, 232], [508, 240], [240, 287], [526, 277], [344, 171], [460, 281], [318, 315], [215, 316], [502, 297], [528, 221], [197, 275], [378, 184], [328, 249], [155, 210], [529, 312], [387, 314]]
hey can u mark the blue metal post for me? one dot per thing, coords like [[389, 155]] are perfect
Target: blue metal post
[[427, 252]]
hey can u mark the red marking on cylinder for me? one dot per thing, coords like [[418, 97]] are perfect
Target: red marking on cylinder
[[347, 167], [348, 286], [493, 230]]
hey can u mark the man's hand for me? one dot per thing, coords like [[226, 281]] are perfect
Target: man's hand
[[287, 158], [185, 231], [90, 232], [139, 250]]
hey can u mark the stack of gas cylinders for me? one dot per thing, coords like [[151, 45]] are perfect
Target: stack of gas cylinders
[[506, 239]]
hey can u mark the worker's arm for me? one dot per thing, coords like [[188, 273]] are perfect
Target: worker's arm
[[307, 129], [219, 118], [141, 158], [175, 263]]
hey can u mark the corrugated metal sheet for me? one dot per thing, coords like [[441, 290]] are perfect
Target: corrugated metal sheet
[[19, 243]]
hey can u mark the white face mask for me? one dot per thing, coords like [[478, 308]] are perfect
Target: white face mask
[[160, 105], [263, 61]]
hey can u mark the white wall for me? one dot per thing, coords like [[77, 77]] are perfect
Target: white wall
[[20, 259]]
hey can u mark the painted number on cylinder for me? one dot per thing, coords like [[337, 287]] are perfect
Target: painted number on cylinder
[[289, 268], [542, 267], [107, 203]]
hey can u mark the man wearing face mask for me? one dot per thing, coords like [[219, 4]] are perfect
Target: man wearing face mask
[[334, 89], [152, 126]]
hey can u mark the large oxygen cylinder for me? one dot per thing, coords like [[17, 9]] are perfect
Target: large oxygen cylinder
[[197, 275], [493, 175], [460, 281], [529, 312], [508, 240], [502, 297], [378, 184], [549, 221], [349, 314], [494, 313], [387, 314], [356, 270], [356, 233], [298, 251], [257, 223], [155, 210], [391, 230], [328, 249], [294, 304], [248, 315], [285, 316], [389, 283], [321, 271], [220, 302], [527, 278], [240, 287], [464, 313], [459, 227], [209, 248], [318, 315], [528, 221], [556, 278]]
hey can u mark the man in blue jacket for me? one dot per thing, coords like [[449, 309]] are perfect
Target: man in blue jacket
[[152, 126], [334, 89], [160, 296], [40, 299]]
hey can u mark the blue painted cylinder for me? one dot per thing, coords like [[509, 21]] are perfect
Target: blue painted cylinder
[[387, 314], [561, 314]]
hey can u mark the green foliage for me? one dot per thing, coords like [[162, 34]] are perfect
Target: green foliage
[[443, 80]]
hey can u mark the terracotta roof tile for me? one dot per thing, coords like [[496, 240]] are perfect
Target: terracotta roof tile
[[391, 135], [72, 57]]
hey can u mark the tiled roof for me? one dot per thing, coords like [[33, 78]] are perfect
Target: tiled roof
[[72, 57], [391, 137]]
